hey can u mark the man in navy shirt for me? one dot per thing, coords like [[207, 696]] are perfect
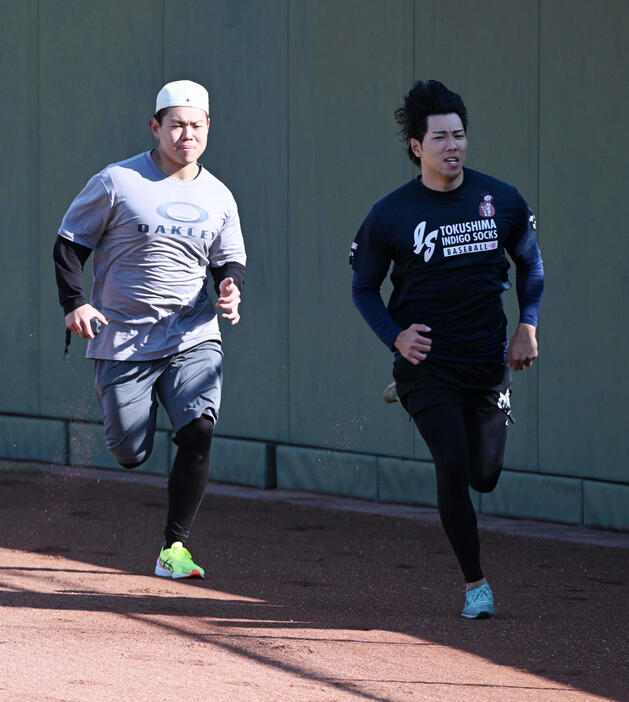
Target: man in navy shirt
[[446, 234]]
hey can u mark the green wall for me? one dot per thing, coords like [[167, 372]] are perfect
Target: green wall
[[302, 95]]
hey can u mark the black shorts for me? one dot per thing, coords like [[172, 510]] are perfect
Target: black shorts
[[431, 382]]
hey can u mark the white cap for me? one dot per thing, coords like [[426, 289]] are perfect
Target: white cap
[[183, 93]]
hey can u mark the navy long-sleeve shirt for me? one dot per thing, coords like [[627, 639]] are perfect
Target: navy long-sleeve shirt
[[449, 265]]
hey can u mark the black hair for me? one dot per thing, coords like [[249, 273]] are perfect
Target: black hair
[[423, 100], [160, 114]]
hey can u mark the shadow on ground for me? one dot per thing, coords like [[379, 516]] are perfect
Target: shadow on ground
[[562, 607]]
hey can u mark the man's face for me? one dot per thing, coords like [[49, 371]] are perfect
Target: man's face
[[182, 134], [442, 151]]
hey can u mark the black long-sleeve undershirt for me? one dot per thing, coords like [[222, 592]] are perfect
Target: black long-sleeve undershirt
[[231, 269], [70, 260]]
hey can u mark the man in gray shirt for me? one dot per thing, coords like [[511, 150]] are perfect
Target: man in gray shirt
[[156, 224]]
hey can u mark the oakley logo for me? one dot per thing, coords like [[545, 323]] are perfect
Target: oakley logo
[[183, 212]]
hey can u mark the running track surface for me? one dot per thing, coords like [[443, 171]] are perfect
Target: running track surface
[[306, 598]]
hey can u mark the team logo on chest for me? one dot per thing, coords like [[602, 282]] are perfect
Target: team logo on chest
[[425, 243], [473, 236], [486, 208]]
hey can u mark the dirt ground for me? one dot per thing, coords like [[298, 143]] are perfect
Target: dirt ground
[[299, 603]]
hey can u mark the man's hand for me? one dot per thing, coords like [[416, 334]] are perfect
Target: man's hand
[[78, 320], [412, 345], [523, 348], [229, 300]]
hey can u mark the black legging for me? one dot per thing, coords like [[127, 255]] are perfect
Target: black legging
[[467, 445], [188, 478]]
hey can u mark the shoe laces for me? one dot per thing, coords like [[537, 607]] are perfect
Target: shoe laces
[[178, 548], [478, 594]]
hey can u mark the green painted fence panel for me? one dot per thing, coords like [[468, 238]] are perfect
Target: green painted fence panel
[[99, 69], [302, 96], [19, 184], [584, 93], [330, 472], [605, 506], [494, 65], [239, 51], [243, 462], [33, 439], [407, 482], [348, 65], [532, 496]]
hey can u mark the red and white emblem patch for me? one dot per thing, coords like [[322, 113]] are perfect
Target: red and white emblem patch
[[486, 208]]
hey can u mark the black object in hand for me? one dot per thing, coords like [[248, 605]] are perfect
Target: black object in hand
[[96, 325]]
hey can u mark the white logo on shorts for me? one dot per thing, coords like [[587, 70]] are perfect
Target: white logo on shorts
[[504, 403]]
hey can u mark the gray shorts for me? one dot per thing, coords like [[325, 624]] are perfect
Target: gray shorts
[[188, 384]]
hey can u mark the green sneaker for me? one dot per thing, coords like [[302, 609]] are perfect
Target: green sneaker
[[176, 562]]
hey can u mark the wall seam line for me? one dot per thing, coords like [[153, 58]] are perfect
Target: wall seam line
[[163, 42], [39, 207], [539, 195], [288, 222]]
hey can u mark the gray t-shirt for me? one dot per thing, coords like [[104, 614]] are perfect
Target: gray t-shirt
[[153, 238]]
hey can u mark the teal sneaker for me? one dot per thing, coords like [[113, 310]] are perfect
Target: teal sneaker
[[479, 603], [176, 562]]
